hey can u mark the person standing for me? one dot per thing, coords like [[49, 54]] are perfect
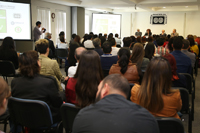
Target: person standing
[[37, 31]]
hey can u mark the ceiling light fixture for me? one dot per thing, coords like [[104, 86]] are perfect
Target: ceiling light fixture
[[186, 6], [164, 7]]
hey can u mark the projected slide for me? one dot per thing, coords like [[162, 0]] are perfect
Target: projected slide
[[106, 23], [15, 20]]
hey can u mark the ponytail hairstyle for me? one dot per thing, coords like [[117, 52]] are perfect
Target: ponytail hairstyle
[[124, 55]]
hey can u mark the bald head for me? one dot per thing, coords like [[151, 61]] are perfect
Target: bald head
[[174, 30], [78, 53]]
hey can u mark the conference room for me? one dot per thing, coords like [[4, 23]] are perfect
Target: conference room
[[99, 66]]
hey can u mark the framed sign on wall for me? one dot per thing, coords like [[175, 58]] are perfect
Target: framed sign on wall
[[158, 19]]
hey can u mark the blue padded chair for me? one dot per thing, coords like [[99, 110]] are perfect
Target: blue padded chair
[[33, 114], [68, 113]]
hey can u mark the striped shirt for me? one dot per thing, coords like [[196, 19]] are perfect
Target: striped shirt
[[161, 51]]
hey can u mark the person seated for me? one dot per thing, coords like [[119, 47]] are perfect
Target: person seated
[[63, 44], [72, 69], [118, 41], [160, 50], [107, 59], [71, 58], [138, 33], [114, 112], [88, 43], [174, 33], [163, 34], [177, 79], [81, 90], [72, 39], [138, 58], [97, 44], [4, 95], [183, 62], [32, 85], [148, 33], [149, 50], [193, 47], [51, 45], [155, 93], [8, 53], [125, 67], [127, 42], [115, 49], [77, 39], [105, 35], [49, 67], [185, 49]]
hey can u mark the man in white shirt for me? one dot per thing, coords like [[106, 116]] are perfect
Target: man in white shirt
[[114, 48], [37, 31], [72, 69], [118, 41], [88, 43]]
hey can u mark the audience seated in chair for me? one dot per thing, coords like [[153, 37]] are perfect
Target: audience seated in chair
[[160, 50], [107, 59], [72, 69], [97, 44], [71, 59], [138, 58], [115, 49], [88, 43], [32, 85], [149, 50], [191, 55], [177, 79], [183, 62], [7, 51], [193, 47], [81, 90], [125, 67], [62, 44], [127, 42], [51, 45], [49, 67], [113, 113], [118, 41], [4, 95], [155, 93]]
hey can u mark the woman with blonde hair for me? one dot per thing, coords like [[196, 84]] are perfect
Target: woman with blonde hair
[[155, 93]]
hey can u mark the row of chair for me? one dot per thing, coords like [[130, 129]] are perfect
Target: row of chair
[[36, 115]]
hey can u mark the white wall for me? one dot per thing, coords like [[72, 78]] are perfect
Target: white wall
[[53, 7], [184, 22]]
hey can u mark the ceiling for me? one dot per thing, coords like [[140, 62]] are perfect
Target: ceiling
[[133, 5]]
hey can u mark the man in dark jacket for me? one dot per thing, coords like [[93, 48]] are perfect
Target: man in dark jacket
[[51, 45], [113, 113]]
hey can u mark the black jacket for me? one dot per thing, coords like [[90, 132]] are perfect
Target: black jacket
[[52, 48], [38, 88], [115, 114]]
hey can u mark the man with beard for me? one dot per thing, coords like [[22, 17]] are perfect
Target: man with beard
[[113, 113]]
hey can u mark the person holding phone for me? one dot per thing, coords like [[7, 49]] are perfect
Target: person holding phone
[[37, 31]]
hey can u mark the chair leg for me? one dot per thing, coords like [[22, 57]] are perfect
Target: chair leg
[[5, 126], [190, 123]]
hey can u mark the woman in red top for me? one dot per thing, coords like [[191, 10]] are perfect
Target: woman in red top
[[81, 90]]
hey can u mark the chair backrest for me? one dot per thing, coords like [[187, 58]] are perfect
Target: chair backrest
[[30, 113], [68, 113], [185, 98], [7, 68], [61, 52], [105, 72], [170, 125], [189, 81], [131, 86], [90, 48]]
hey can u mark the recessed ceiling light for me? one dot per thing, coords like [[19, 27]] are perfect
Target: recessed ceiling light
[[186, 6], [164, 7]]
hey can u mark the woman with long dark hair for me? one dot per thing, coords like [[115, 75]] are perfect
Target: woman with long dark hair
[[149, 50], [7, 51], [71, 59], [138, 57], [81, 90], [125, 67], [155, 93]]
